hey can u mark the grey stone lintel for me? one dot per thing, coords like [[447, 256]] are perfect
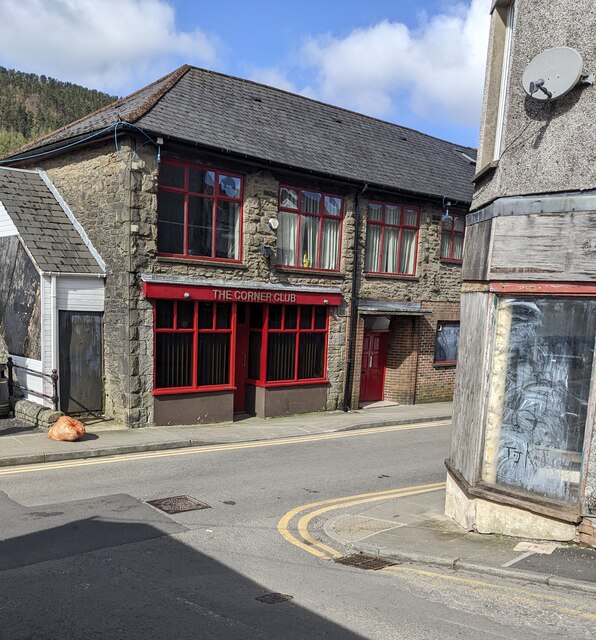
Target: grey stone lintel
[[395, 308], [527, 205]]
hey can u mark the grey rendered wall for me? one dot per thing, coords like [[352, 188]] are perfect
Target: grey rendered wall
[[545, 144]]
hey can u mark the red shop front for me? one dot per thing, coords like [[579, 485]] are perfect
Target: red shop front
[[225, 350]]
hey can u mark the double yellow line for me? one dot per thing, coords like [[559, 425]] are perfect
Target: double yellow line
[[294, 526], [303, 516], [203, 449]]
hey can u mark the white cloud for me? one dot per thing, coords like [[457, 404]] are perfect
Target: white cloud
[[438, 68], [114, 45], [272, 77]]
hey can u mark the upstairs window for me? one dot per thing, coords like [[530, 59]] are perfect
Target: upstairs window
[[309, 230], [452, 238], [391, 239], [199, 212]]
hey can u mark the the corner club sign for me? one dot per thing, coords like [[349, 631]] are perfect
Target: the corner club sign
[[231, 294]]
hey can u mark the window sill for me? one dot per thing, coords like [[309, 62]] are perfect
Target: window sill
[[288, 383], [487, 170], [451, 261], [308, 272], [445, 365], [391, 276], [201, 262], [179, 391]]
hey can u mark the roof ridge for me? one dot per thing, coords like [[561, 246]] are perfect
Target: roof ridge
[[132, 117], [17, 169], [325, 104], [154, 98]]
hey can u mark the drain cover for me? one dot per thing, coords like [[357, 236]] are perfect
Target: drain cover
[[178, 504], [362, 561], [274, 598]]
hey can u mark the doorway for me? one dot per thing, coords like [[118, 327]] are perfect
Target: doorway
[[81, 370], [374, 360], [241, 366]]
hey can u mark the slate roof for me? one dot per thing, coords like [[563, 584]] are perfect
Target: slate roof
[[251, 119], [43, 225]]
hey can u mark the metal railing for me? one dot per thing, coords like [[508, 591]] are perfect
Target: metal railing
[[13, 382]]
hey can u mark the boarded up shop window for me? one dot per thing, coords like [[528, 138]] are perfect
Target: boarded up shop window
[[539, 395], [446, 342]]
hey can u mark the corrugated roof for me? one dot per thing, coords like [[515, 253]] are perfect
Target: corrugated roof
[[260, 122], [43, 225]]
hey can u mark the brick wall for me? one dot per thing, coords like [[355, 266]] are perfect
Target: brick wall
[[402, 360], [435, 382]]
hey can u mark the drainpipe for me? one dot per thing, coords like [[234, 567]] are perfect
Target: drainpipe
[[353, 303]]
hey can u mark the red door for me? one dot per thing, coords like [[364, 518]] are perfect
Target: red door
[[241, 365], [374, 358]]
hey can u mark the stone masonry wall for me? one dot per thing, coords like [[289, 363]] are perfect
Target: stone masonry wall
[[113, 193], [95, 183]]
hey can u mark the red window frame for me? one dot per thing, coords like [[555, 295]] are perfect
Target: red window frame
[[196, 331], [321, 215], [265, 330], [401, 226], [216, 197], [452, 232]]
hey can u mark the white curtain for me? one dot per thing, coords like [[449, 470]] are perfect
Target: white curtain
[[309, 241], [373, 247], [458, 247], [445, 243], [390, 250], [235, 242], [330, 244], [286, 239], [408, 251]]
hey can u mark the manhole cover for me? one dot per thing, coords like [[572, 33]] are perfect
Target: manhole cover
[[178, 504], [362, 561], [274, 598]]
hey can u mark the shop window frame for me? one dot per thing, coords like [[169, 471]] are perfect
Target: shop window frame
[[385, 225], [216, 197], [196, 331], [321, 216], [265, 330]]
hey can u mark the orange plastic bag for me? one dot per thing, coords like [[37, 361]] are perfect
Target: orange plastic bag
[[66, 428]]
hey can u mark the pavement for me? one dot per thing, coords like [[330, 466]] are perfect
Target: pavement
[[19, 444], [408, 529], [414, 529]]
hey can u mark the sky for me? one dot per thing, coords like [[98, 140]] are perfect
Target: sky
[[418, 63]]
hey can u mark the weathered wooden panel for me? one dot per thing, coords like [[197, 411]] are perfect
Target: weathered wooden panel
[[80, 340], [471, 383], [477, 251], [7, 227], [544, 247], [80, 294], [20, 300]]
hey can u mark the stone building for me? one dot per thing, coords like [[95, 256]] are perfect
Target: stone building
[[264, 252], [523, 456]]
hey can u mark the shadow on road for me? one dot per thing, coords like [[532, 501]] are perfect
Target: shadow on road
[[123, 575]]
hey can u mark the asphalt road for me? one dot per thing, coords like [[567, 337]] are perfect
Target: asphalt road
[[83, 556]]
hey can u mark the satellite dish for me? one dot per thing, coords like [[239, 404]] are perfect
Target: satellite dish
[[553, 73]]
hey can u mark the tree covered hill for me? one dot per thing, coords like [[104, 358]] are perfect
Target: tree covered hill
[[31, 105]]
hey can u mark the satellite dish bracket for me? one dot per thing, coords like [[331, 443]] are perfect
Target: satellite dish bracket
[[538, 85]]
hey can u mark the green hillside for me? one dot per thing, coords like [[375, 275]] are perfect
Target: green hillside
[[31, 105]]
